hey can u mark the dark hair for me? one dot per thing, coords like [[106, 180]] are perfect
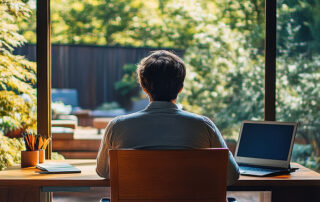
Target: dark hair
[[162, 74]]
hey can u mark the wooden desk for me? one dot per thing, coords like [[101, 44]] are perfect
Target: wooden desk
[[18, 184], [300, 186], [25, 184]]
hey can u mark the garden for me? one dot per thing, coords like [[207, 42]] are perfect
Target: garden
[[223, 44]]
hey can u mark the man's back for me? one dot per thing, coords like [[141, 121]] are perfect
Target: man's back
[[161, 126]]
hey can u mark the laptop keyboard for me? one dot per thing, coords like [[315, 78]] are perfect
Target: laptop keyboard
[[250, 168]]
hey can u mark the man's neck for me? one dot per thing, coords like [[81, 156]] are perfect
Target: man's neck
[[172, 101]]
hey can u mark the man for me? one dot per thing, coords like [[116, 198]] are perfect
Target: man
[[162, 125]]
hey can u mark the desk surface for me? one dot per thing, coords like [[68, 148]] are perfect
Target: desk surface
[[302, 177], [15, 176]]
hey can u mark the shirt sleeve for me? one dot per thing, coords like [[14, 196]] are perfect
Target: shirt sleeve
[[217, 141], [102, 168]]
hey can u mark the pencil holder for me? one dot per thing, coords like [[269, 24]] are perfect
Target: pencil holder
[[42, 155], [29, 158]]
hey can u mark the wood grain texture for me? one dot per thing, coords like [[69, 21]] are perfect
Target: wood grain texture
[[18, 194], [168, 175], [43, 50], [302, 185], [15, 176], [76, 145]]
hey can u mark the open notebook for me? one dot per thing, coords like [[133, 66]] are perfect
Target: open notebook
[[51, 168]]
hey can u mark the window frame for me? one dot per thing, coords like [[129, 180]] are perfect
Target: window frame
[[44, 72]]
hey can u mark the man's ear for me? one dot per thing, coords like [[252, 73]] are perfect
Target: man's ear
[[145, 90], [180, 89]]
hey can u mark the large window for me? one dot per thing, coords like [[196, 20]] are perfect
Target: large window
[[96, 45], [298, 75], [223, 47]]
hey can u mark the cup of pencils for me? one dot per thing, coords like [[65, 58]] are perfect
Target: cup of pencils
[[34, 143]]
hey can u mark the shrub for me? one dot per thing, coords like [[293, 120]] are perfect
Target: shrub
[[17, 84], [10, 151]]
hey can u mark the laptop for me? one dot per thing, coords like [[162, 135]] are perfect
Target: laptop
[[264, 147]]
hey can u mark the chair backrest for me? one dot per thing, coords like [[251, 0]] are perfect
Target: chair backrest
[[168, 175]]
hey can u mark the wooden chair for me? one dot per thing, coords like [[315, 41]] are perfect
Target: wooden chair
[[168, 175]]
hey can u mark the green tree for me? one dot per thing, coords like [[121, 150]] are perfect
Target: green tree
[[299, 22], [298, 68], [248, 17], [222, 74], [86, 22], [222, 82], [18, 75], [17, 82], [93, 21]]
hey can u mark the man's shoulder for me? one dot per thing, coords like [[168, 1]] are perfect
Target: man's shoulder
[[128, 117], [205, 121], [192, 116], [181, 114]]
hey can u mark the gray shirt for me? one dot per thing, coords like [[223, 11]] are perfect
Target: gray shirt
[[162, 125]]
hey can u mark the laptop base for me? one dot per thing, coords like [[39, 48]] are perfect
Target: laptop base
[[264, 171]]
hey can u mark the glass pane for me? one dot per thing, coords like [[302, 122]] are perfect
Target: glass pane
[[226, 63], [298, 75], [18, 101], [96, 44]]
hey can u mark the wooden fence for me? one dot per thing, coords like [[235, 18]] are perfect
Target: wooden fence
[[92, 70]]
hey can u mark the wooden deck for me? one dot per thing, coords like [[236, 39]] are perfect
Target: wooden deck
[[85, 144]]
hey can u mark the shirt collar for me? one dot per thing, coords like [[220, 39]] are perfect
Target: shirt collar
[[161, 105]]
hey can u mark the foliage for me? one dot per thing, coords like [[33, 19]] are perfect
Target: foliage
[[17, 83], [299, 22], [128, 85], [89, 21], [10, 151], [173, 24], [128, 88], [56, 156], [247, 17], [304, 155], [221, 79], [224, 51], [298, 68], [59, 108], [108, 106], [18, 76], [297, 95]]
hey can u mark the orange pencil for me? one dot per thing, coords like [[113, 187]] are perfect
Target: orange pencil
[[46, 143], [40, 144]]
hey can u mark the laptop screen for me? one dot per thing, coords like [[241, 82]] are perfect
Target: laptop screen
[[265, 141]]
